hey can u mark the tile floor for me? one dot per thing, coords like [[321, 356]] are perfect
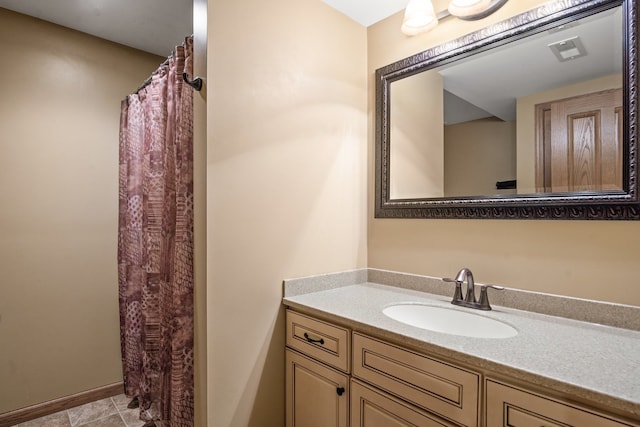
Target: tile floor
[[109, 412]]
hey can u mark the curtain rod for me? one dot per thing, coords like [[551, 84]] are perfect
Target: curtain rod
[[196, 83], [150, 78]]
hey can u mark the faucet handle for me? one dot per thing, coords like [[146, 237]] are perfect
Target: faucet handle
[[483, 303]]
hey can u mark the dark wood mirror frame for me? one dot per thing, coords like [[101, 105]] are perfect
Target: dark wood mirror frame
[[620, 205]]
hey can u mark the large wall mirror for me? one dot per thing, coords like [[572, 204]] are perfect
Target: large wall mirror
[[531, 118]]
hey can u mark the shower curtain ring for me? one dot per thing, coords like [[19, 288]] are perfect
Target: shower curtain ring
[[196, 83]]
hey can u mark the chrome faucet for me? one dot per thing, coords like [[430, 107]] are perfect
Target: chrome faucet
[[470, 297]]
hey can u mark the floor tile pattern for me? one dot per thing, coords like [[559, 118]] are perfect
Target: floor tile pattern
[[109, 412]]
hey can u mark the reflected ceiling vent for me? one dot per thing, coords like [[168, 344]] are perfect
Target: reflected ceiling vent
[[567, 49]]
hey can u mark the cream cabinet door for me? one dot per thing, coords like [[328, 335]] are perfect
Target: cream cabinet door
[[438, 387], [373, 408], [316, 395], [508, 406]]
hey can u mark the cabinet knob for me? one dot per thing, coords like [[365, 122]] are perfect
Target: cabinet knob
[[340, 391]]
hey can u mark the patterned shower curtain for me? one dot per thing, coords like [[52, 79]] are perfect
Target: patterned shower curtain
[[155, 243]]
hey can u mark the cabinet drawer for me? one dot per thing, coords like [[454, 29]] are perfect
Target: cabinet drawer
[[374, 408], [441, 388], [508, 406], [322, 341]]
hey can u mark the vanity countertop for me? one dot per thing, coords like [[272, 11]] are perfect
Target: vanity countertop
[[591, 361]]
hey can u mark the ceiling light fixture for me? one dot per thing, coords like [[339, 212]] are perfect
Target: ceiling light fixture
[[465, 8], [471, 10], [420, 16]]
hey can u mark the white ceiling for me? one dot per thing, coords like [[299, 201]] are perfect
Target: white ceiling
[[367, 12], [155, 26], [494, 80]]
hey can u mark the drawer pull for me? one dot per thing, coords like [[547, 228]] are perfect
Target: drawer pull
[[311, 340], [340, 391]]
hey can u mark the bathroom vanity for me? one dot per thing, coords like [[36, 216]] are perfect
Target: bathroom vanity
[[349, 364]]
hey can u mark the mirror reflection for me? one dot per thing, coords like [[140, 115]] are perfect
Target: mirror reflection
[[539, 115]]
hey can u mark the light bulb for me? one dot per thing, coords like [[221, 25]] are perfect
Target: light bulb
[[419, 17], [462, 8]]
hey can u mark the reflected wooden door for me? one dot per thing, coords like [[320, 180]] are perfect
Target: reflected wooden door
[[579, 143]]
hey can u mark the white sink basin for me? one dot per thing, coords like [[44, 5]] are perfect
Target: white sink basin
[[449, 321]]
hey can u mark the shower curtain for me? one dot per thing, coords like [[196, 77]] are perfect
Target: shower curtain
[[155, 243]]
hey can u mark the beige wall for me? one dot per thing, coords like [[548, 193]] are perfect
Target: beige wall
[[417, 167], [579, 258], [59, 122], [477, 154], [286, 184]]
